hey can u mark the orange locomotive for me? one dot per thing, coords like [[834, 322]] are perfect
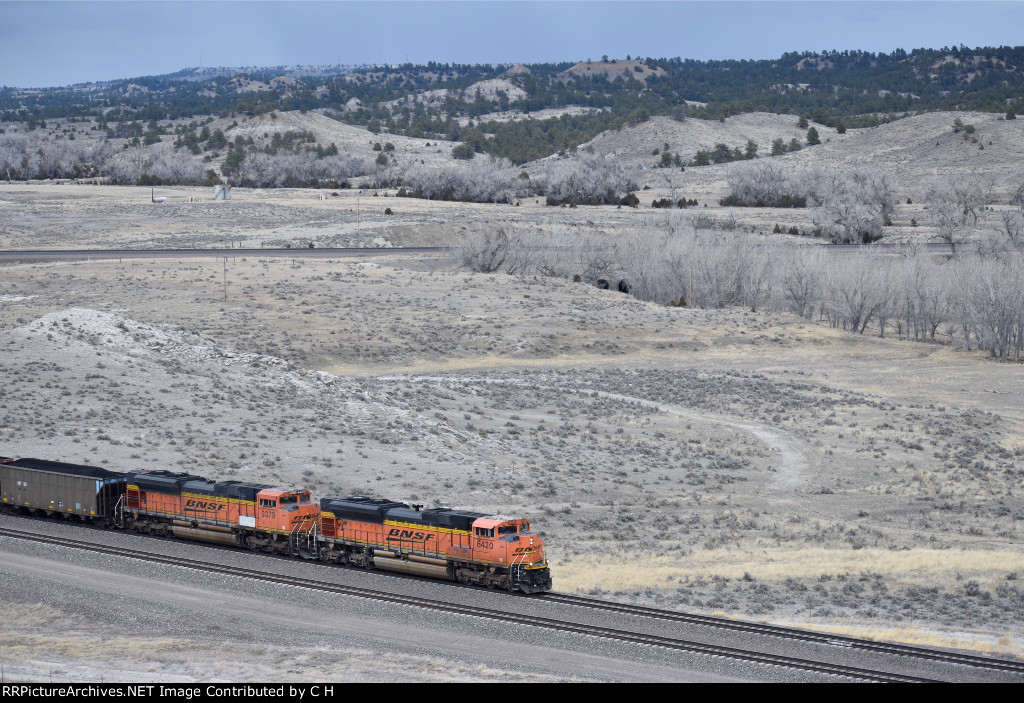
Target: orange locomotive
[[457, 545], [463, 546], [260, 517]]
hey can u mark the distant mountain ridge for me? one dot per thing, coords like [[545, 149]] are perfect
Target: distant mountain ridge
[[835, 85], [492, 108]]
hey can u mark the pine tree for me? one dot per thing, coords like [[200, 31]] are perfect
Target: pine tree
[[812, 137]]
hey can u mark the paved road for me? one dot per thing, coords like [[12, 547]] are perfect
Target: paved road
[[36, 255]]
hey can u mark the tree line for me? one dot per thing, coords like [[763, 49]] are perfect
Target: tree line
[[973, 301], [854, 88]]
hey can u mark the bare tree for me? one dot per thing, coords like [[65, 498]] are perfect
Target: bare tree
[[13, 148], [920, 297], [953, 205], [1017, 193], [878, 188], [850, 208], [989, 305], [802, 276], [668, 176], [1012, 225], [589, 178], [1012, 228], [594, 258], [482, 180], [859, 289], [533, 252], [485, 251], [761, 183]]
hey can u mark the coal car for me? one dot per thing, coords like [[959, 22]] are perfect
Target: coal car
[[56, 488]]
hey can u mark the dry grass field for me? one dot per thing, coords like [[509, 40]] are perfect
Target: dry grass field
[[750, 464]]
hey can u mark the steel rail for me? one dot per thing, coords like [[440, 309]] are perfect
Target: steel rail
[[786, 632], [486, 613]]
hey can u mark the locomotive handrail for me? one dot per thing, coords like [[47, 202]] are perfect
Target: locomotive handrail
[[119, 510]]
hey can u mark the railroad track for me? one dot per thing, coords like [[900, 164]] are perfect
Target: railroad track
[[787, 633], [605, 633]]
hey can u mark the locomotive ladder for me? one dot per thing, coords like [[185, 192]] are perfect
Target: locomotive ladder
[[303, 542], [515, 569]]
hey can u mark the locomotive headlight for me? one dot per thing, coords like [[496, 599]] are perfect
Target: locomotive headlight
[[531, 540]]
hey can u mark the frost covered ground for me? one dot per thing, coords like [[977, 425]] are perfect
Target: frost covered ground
[[716, 461], [752, 464]]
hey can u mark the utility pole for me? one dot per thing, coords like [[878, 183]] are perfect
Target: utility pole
[[225, 279]]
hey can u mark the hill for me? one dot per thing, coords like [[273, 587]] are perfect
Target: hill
[[857, 87]]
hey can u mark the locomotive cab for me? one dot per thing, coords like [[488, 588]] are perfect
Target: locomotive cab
[[285, 510], [508, 543]]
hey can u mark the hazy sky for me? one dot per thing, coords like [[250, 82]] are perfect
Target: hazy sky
[[59, 43]]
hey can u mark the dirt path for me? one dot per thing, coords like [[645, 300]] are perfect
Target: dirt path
[[789, 478], [791, 474]]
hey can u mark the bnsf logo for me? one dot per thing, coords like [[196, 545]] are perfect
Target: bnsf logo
[[208, 505], [397, 533]]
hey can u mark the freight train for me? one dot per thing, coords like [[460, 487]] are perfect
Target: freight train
[[470, 547]]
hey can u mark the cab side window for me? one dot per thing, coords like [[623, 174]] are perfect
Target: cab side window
[[268, 503], [484, 531]]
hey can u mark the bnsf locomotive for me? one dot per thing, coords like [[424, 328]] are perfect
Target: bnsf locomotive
[[468, 547]]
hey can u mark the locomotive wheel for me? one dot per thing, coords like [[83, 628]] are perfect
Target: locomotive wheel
[[463, 576]]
